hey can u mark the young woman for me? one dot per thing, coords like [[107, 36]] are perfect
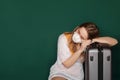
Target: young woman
[[71, 46]]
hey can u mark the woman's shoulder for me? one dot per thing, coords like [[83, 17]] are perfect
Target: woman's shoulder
[[63, 35]]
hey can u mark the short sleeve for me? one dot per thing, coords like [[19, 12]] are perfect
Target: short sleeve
[[63, 50]]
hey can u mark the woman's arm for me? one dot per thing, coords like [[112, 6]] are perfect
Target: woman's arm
[[73, 58], [109, 40]]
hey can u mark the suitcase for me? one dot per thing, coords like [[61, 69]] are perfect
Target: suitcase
[[98, 62]]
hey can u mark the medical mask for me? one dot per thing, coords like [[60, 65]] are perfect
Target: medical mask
[[76, 38]]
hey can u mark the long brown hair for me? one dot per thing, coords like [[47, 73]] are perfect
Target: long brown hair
[[92, 30]]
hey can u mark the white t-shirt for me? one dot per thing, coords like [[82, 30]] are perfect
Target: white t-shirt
[[75, 72]]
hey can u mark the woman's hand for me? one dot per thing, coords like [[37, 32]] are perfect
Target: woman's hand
[[85, 43]]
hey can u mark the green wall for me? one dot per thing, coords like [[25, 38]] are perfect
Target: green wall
[[29, 30]]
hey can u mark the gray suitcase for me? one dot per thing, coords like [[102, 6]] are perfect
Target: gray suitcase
[[98, 62]]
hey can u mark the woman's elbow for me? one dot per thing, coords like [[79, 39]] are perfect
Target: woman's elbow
[[66, 65], [114, 42]]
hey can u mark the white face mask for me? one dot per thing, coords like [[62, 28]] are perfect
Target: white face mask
[[76, 38]]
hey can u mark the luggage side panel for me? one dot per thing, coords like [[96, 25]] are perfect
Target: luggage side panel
[[106, 64], [93, 64]]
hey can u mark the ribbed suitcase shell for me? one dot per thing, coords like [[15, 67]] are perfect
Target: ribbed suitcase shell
[[98, 62]]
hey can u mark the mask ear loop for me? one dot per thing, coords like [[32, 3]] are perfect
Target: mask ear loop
[[75, 28], [74, 31]]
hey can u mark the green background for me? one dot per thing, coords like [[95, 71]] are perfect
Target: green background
[[29, 30]]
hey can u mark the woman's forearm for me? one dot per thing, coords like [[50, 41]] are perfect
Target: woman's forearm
[[109, 40], [72, 59]]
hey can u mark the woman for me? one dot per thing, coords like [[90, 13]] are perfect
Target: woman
[[70, 55]]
